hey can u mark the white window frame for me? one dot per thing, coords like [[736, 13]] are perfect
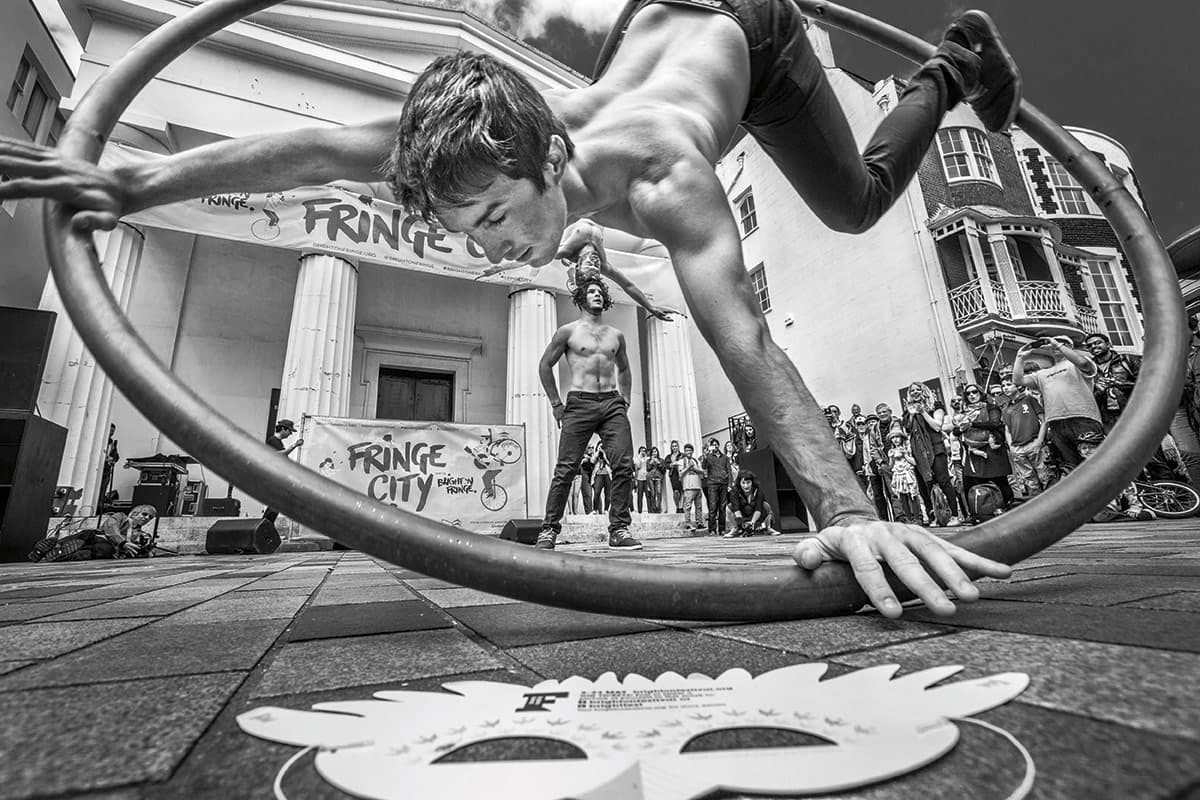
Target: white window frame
[[966, 155], [747, 220], [20, 91], [1112, 267], [758, 283], [1067, 190]]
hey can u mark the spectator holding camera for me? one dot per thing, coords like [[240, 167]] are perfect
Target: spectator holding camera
[[1116, 373], [1073, 424]]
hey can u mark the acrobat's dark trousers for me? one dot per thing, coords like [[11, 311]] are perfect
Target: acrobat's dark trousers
[[586, 414]]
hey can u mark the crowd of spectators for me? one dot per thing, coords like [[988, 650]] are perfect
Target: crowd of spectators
[[997, 444], [1001, 443], [705, 488]]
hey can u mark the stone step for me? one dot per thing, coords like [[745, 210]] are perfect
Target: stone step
[[593, 528]]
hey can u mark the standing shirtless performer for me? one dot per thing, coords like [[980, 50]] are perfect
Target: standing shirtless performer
[[479, 150], [597, 403]]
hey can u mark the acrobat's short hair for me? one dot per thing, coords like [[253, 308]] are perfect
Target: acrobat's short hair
[[579, 296], [468, 119]]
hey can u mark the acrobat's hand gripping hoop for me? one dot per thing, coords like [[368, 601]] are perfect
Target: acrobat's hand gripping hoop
[[592, 584]]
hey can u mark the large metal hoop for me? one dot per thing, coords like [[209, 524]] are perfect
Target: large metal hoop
[[589, 584]]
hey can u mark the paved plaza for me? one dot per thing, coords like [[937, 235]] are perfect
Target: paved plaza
[[123, 679]]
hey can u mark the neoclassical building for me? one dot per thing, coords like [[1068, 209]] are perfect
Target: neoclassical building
[[265, 331]]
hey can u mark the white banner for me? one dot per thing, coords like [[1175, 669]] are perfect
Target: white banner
[[351, 220], [471, 476]]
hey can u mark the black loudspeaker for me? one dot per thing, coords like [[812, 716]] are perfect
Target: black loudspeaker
[[790, 514], [24, 343], [162, 496], [523, 531], [233, 537], [219, 507], [31, 450]]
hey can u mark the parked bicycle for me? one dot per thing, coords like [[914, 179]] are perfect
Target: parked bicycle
[[1168, 499]]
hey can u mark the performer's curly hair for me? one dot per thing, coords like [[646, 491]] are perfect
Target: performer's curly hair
[[579, 296]]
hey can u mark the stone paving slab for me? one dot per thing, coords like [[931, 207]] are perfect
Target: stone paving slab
[[817, 639], [235, 606], [365, 619], [455, 598], [20, 612], [154, 650], [1087, 590], [50, 639], [336, 663], [72, 738], [526, 623], [1140, 627], [9, 666], [33, 593], [1176, 601], [368, 594]]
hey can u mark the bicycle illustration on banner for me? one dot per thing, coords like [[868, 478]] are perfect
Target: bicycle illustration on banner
[[491, 455]]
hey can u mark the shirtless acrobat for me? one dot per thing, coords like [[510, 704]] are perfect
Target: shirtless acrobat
[[597, 402], [480, 151]]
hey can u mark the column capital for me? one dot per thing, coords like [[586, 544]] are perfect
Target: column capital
[[130, 227], [516, 290], [339, 256]]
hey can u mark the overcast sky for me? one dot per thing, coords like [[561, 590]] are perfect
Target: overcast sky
[[1119, 68]]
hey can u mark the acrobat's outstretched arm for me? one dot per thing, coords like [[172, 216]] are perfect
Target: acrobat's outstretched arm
[[639, 297], [268, 162]]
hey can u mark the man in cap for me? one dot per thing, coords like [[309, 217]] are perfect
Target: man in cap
[[284, 428]]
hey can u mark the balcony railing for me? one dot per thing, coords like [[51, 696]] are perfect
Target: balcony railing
[[1042, 300], [1089, 320]]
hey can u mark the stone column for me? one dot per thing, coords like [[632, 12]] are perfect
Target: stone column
[[1008, 275], [75, 393], [1056, 273], [674, 407], [981, 273], [316, 369], [532, 320]]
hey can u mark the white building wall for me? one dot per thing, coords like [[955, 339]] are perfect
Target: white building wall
[[863, 319], [23, 264]]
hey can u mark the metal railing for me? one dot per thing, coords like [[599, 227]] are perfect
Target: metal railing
[[1042, 300]]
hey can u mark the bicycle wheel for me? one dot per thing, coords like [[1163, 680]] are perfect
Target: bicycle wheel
[[506, 451], [496, 500], [1169, 499]]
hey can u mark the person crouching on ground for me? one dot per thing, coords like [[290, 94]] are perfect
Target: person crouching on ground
[[115, 536], [751, 511]]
